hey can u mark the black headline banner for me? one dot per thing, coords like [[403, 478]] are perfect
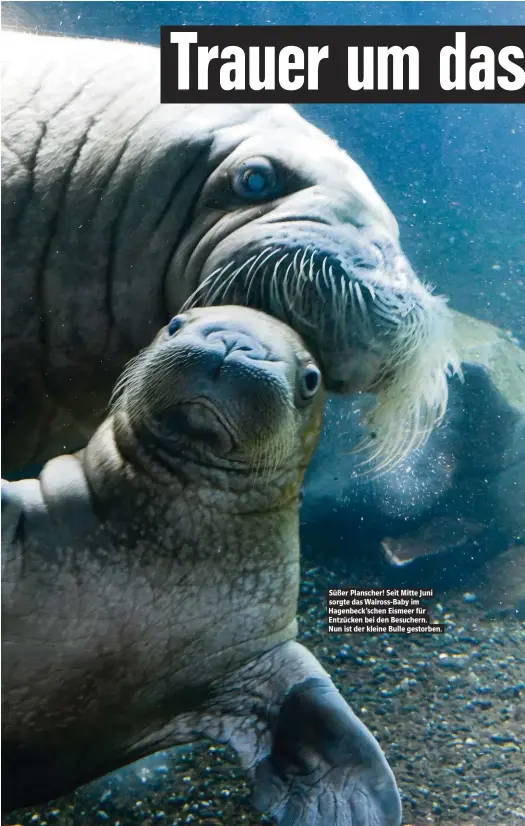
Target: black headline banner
[[343, 64]]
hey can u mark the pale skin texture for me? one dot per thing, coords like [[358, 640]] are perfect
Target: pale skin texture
[[115, 209], [150, 585]]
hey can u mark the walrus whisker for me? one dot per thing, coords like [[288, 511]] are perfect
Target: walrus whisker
[[261, 265], [273, 290], [311, 269], [279, 289], [271, 454], [413, 401], [386, 303], [300, 282], [237, 273], [306, 280], [302, 279], [318, 288], [392, 300], [335, 312], [312, 278], [296, 256], [265, 270], [326, 278], [323, 268], [338, 312], [341, 315], [190, 302], [387, 316], [289, 299], [285, 305], [265, 251], [273, 277], [332, 279], [225, 285], [269, 252], [213, 288], [303, 310], [221, 290], [361, 302], [297, 279], [351, 296], [303, 259], [229, 282], [286, 294], [124, 379], [194, 298]]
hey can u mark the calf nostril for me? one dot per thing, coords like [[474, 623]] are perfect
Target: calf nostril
[[310, 381], [240, 343], [233, 343]]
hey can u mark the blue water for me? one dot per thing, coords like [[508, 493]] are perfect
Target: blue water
[[452, 174]]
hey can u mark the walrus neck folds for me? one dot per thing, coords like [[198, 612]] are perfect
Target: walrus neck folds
[[115, 459]]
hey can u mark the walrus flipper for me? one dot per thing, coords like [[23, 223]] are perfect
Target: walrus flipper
[[325, 766], [312, 762]]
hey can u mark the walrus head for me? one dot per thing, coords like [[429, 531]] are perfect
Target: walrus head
[[286, 222], [228, 387]]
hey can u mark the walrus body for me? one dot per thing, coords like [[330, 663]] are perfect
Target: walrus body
[[150, 585], [117, 211]]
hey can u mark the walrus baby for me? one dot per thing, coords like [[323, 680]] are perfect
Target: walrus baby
[[150, 585]]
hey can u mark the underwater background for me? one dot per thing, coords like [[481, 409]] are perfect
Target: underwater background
[[449, 710]]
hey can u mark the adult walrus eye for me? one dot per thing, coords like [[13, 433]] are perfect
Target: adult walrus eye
[[255, 179]]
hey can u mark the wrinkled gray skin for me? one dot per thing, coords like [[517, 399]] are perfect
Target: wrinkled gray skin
[[463, 493], [116, 208], [150, 586]]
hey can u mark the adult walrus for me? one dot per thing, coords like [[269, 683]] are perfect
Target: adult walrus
[[150, 585], [119, 211]]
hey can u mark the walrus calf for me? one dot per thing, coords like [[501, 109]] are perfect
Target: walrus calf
[[119, 212], [150, 585]]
